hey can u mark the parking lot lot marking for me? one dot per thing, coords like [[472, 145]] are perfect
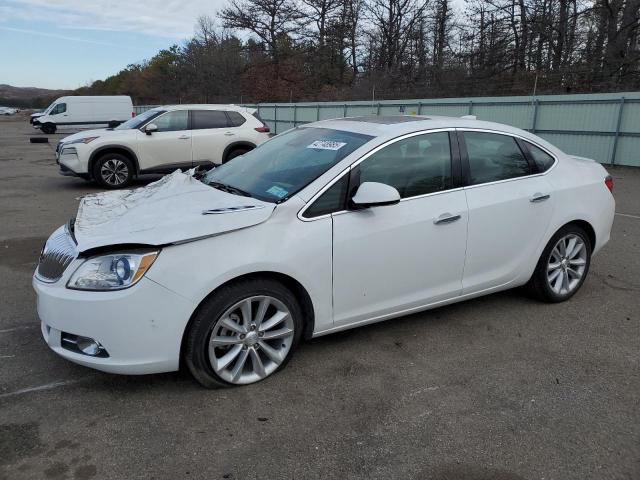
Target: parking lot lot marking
[[39, 388], [637, 217], [14, 329]]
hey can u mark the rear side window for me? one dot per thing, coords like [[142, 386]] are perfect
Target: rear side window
[[541, 158], [236, 119], [330, 201], [494, 157], [202, 119]]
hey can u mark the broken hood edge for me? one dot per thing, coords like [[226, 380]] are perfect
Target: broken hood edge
[[175, 209]]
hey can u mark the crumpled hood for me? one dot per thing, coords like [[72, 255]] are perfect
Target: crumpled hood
[[164, 212]]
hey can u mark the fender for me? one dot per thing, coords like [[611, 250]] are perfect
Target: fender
[[96, 153], [231, 146]]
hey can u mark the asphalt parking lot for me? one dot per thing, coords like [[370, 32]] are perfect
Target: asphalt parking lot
[[500, 388]]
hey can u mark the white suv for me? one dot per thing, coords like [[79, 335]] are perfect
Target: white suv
[[161, 140]]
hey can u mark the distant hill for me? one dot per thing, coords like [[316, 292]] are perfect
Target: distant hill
[[25, 97]]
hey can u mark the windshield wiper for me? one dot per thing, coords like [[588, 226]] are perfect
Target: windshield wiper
[[229, 189]]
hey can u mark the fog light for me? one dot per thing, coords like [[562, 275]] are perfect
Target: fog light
[[84, 345], [89, 346]]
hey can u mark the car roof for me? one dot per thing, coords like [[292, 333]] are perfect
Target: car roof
[[391, 126], [206, 106]]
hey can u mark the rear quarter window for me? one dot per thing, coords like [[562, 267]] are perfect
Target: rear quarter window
[[541, 158], [236, 119]]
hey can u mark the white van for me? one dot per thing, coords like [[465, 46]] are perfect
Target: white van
[[84, 112]]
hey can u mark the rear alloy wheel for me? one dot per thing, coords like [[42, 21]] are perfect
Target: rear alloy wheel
[[563, 266], [566, 264], [243, 334], [113, 171]]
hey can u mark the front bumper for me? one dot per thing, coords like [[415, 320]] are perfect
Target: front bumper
[[70, 162], [141, 328]]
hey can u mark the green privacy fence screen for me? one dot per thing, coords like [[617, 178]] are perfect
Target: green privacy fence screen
[[605, 127]]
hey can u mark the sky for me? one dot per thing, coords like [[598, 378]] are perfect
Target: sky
[[67, 44]]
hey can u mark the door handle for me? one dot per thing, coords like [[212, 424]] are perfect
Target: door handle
[[183, 137], [446, 218], [229, 134], [539, 197]]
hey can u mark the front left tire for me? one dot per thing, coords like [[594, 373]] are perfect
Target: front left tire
[[113, 170], [48, 128], [244, 333]]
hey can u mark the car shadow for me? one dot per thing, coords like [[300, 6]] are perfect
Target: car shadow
[[429, 320]]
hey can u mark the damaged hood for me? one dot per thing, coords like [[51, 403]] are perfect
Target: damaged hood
[[174, 209]]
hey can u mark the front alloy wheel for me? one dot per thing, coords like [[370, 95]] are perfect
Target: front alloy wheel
[[113, 170], [244, 333], [251, 339]]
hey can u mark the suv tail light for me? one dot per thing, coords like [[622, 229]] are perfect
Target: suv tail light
[[264, 129], [609, 183], [133, 114]]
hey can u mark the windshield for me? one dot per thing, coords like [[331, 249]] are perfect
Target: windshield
[[285, 164], [49, 108], [139, 120]]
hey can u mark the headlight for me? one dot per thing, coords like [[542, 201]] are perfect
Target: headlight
[[81, 140], [112, 272]]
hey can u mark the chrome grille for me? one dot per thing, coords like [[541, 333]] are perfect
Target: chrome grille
[[57, 254]]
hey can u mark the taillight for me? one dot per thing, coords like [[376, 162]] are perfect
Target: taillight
[[609, 183], [262, 129], [133, 114]]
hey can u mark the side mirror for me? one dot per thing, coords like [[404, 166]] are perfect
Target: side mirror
[[375, 194], [150, 128]]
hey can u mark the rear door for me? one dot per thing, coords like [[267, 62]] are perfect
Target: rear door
[[510, 207], [169, 147], [210, 135]]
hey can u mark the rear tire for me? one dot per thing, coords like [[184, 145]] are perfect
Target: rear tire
[[235, 153], [48, 128], [113, 170], [249, 347], [563, 265]]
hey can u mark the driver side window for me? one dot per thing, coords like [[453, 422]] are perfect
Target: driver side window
[[414, 166], [173, 121], [59, 108]]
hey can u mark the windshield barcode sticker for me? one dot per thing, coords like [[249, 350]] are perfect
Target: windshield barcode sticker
[[326, 145]]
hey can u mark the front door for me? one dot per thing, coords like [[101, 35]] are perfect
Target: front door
[[390, 259], [169, 147]]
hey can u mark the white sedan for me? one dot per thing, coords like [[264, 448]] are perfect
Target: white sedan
[[329, 226]]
